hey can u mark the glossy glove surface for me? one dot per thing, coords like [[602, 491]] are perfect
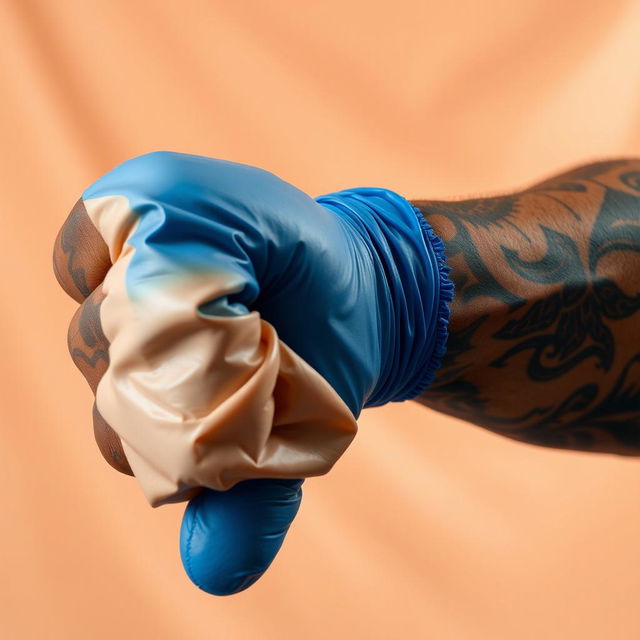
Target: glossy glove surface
[[354, 283]]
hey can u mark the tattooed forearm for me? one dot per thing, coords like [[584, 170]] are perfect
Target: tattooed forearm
[[544, 341]]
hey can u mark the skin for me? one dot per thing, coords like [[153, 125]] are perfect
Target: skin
[[544, 342], [544, 330], [80, 262]]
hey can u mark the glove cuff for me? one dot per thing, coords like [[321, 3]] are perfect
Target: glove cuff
[[445, 287], [413, 288]]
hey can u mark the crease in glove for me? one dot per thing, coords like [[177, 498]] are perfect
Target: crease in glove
[[204, 400], [200, 387]]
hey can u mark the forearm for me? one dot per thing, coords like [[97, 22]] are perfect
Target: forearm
[[544, 341]]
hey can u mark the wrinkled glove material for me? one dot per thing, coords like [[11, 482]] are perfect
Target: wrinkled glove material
[[208, 257]]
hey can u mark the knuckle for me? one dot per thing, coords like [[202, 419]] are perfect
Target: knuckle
[[80, 255]]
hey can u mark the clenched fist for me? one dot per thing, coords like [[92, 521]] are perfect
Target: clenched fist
[[232, 329]]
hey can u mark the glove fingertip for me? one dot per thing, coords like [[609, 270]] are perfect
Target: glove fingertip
[[229, 539]]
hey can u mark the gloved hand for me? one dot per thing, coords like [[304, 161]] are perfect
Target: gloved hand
[[355, 284]]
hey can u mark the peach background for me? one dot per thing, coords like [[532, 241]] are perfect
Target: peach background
[[427, 527]]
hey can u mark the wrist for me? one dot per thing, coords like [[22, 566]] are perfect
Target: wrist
[[412, 284]]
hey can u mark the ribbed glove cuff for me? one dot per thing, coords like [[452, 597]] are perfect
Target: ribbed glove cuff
[[413, 287]]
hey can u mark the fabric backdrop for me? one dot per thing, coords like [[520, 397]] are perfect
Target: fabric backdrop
[[427, 527]]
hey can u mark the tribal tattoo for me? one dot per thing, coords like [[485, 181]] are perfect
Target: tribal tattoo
[[80, 262], [544, 343]]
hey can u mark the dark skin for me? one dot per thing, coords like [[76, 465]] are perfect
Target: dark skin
[[80, 262], [544, 343]]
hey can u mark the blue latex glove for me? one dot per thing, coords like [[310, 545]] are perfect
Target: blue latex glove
[[355, 282]]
